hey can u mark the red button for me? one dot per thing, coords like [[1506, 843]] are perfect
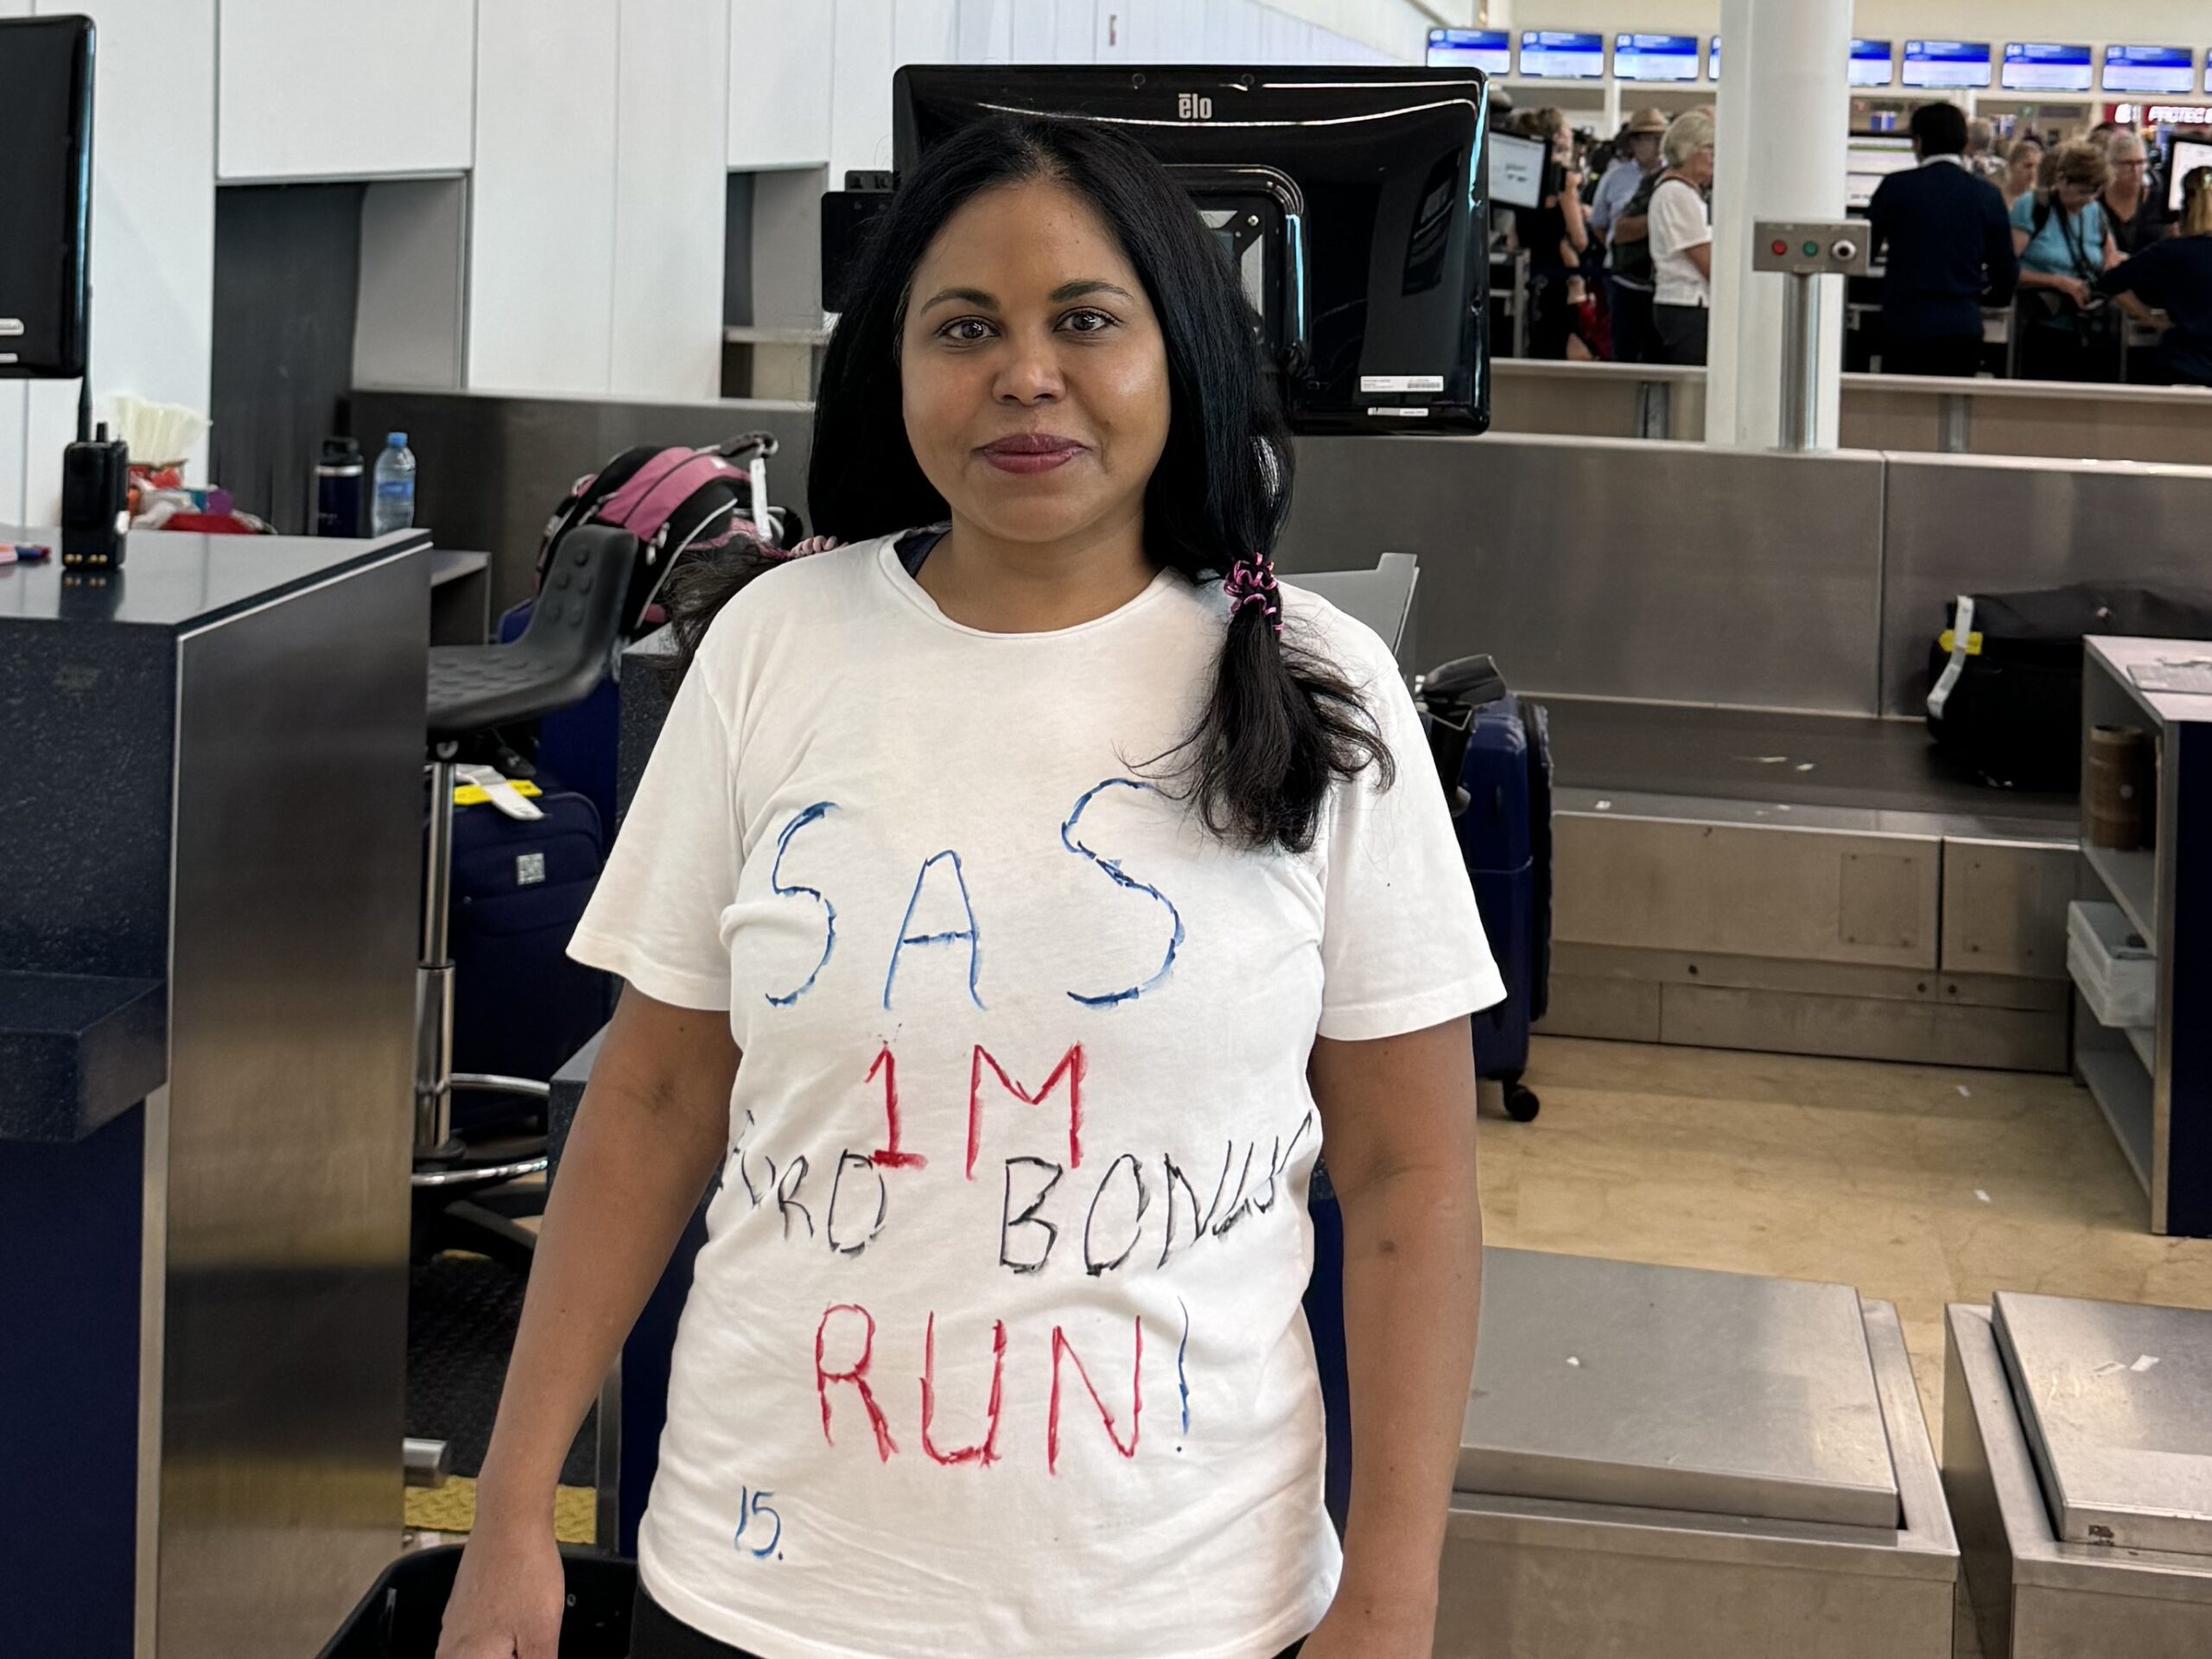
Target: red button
[[1779, 249]]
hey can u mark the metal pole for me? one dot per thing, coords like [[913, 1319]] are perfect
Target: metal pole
[[434, 976], [1801, 345]]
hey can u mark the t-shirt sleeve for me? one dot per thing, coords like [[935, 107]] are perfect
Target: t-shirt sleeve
[[1402, 946], [2140, 276], [1678, 220], [2023, 212], [655, 918]]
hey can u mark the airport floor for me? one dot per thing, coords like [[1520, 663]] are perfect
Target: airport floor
[[1919, 1185]]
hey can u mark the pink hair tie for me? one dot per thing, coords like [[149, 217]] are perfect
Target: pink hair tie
[[1252, 581]]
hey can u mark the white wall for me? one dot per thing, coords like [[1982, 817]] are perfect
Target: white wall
[[153, 235]]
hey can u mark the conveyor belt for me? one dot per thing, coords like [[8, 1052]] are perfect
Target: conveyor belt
[[1750, 755]]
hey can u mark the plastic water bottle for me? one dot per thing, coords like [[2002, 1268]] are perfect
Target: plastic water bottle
[[392, 504]]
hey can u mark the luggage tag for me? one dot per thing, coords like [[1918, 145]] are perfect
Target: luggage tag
[[497, 789]]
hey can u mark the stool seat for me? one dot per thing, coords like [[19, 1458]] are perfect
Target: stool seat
[[575, 628]]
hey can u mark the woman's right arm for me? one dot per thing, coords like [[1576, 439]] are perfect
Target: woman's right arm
[[651, 1131]]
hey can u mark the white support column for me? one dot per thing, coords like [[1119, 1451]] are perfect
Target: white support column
[[1783, 116]]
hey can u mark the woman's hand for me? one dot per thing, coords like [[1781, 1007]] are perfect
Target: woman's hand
[[508, 1596], [2074, 288]]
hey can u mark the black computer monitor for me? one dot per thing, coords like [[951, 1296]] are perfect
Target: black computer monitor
[[1352, 200], [46, 195]]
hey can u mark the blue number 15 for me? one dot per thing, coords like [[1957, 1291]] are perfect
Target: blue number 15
[[751, 1504]]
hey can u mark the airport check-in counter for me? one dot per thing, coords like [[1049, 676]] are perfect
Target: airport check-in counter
[[2077, 1455], [211, 799], [1664, 1463]]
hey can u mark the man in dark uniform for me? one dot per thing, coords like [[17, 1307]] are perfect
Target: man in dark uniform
[[1949, 247]]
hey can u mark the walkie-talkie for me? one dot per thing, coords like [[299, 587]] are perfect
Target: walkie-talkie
[[95, 501]]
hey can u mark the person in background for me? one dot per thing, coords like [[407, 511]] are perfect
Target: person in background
[[2133, 208], [2174, 276], [2021, 163], [2102, 136], [1555, 236], [1623, 221], [2064, 246], [1950, 252], [1981, 158], [1681, 241]]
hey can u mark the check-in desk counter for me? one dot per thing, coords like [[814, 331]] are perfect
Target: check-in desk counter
[[2077, 1452], [211, 812], [1659, 1463]]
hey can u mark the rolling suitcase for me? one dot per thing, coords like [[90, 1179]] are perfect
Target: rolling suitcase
[[1494, 753], [519, 888]]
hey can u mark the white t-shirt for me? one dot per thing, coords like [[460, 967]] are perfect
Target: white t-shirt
[[1679, 223], [995, 1345]]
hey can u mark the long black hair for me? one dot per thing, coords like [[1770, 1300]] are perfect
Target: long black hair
[[1282, 724]]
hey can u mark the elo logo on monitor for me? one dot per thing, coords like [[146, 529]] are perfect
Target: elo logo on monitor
[[1193, 107]]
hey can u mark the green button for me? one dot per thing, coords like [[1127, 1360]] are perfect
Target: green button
[[1812, 249]]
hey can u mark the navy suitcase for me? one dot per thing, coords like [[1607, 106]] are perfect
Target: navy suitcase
[[519, 887], [1494, 753]]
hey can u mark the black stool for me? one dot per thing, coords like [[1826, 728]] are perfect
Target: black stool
[[575, 628]]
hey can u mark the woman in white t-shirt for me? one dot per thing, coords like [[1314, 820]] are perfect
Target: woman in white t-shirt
[[1681, 240], [1061, 878]]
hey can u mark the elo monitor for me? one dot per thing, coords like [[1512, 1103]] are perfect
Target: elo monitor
[[46, 172], [2154, 69], [1351, 202]]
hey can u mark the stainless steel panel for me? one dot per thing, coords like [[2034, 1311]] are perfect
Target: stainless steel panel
[[298, 851], [1866, 1028], [2117, 1402], [1617, 1010], [1745, 890], [1954, 524], [1615, 964], [2035, 1596], [1574, 562], [2004, 907], [1537, 1578], [1670, 1388]]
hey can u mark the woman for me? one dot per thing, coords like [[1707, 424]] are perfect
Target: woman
[[2132, 207], [1681, 240], [2174, 277], [1060, 877], [2064, 245], [1556, 235], [2021, 163]]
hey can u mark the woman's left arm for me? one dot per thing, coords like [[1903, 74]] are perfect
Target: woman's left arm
[[1398, 1124]]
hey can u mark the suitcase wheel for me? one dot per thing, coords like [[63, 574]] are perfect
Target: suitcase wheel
[[1521, 1103]]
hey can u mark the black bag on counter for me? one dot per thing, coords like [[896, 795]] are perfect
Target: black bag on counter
[[2005, 676]]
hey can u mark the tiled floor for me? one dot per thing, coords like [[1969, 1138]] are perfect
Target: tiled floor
[[1920, 1185]]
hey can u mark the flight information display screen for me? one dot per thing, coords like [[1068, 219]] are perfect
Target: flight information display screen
[[2046, 66], [2150, 69], [1947, 63], [1490, 50], [1873, 63], [1558, 54], [1654, 57]]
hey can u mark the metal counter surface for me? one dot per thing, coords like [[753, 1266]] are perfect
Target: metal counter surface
[[2034, 1595], [1655, 1388], [2117, 1402], [1850, 762], [171, 580]]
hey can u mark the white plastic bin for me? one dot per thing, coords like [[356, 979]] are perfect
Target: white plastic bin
[[2111, 965]]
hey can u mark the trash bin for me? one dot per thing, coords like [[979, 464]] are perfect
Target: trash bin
[[399, 1617]]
